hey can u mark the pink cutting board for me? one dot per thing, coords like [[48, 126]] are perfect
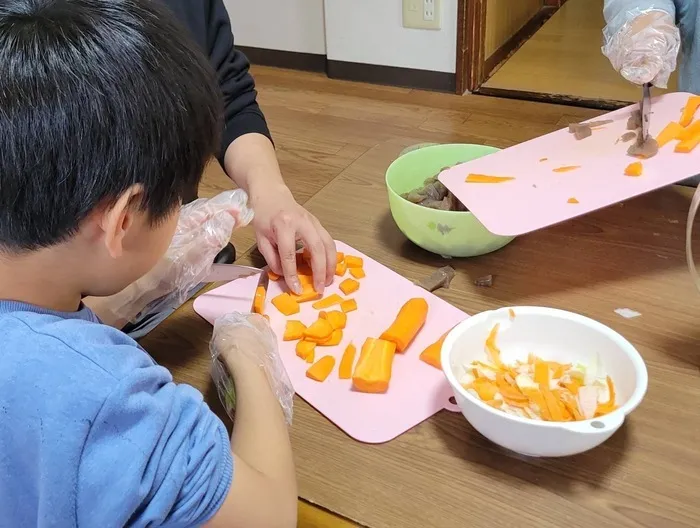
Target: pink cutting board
[[417, 390], [537, 197]]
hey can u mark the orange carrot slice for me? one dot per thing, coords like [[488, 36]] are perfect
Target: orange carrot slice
[[339, 257], [349, 286], [634, 169], [305, 348], [670, 132], [572, 200], [285, 304], [327, 302], [346, 362], [308, 294], [320, 370], [320, 330], [566, 168], [358, 273], [349, 305], [542, 374], [689, 110], [337, 319], [335, 338], [485, 178], [687, 145], [354, 262], [408, 322], [293, 330], [486, 389], [431, 355], [259, 300], [491, 348], [340, 268]]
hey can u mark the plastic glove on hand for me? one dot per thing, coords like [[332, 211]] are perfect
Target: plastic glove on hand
[[248, 338]]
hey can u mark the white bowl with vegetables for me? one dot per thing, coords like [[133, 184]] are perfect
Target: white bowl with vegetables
[[543, 382]]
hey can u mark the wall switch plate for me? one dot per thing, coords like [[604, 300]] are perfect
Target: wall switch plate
[[421, 14]]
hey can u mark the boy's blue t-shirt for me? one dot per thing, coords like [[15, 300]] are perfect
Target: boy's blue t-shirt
[[94, 433]]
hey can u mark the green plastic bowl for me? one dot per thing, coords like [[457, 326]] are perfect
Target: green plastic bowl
[[447, 233]]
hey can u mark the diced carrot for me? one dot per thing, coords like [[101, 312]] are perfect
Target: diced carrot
[[354, 262], [373, 370], [408, 322], [566, 168], [572, 200], [334, 339], [310, 358], [431, 355], [358, 273], [259, 300], [346, 362], [670, 132], [485, 178], [690, 132], [320, 370], [349, 286], [305, 348], [337, 319], [327, 302], [285, 304], [349, 305], [318, 331], [340, 268], [689, 110], [634, 169], [687, 145], [308, 294], [293, 330]]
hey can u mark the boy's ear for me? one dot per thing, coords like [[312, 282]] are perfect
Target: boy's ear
[[116, 220]]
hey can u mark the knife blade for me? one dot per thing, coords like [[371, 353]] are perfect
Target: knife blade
[[645, 110], [230, 272]]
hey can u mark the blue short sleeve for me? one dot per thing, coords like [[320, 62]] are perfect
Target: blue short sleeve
[[156, 455]]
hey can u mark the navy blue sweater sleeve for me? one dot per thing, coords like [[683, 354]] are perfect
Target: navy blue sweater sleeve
[[210, 26]]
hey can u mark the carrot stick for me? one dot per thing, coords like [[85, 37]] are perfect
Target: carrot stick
[[407, 324], [346, 363], [320, 370], [485, 178]]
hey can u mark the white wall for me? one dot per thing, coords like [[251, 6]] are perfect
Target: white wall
[[287, 25], [371, 32]]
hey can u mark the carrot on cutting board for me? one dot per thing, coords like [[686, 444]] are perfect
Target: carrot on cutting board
[[354, 262], [320, 330], [431, 355], [572, 200], [634, 169], [336, 318], [293, 330], [349, 286], [346, 362], [358, 273], [327, 302], [339, 257], [340, 268], [373, 371], [566, 168], [333, 340], [259, 300], [408, 322], [689, 110], [305, 348], [320, 370], [485, 178], [349, 305], [307, 294], [687, 145], [670, 132], [285, 304]]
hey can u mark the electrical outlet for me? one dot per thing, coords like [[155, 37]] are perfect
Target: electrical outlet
[[421, 14]]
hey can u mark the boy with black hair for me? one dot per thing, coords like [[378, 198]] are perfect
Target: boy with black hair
[[108, 116]]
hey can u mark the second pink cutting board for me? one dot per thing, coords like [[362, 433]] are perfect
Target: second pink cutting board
[[538, 197], [417, 390]]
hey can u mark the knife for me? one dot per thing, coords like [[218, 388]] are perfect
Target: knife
[[645, 110], [230, 272]]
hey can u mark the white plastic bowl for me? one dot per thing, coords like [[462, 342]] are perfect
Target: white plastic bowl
[[554, 335]]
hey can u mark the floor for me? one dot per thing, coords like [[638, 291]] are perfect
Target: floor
[[321, 126], [564, 59]]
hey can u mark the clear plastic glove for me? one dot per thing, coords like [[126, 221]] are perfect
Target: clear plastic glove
[[643, 45], [249, 338], [203, 230]]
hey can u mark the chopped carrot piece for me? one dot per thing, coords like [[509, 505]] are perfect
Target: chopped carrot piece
[[259, 300], [349, 286], [334, 339], [310, 358], [272, 275], [293, 330], [670, 132], [320, 370], [634, 169], [337, 319], [491, 347], [689, 110], [485, 178], [373, 370], [339, 257], [340, 268], [408, 322], [353, 262], [572, 200], [285, 304], [552, 406], [486, 389], [347, 361], [687, 145], [358, 273], [318, 331], [305, 348], [306, 280], [690, 132], [542, 374], [308, 294], [327, 302], [432, 354], [349, 305], [566, 168]]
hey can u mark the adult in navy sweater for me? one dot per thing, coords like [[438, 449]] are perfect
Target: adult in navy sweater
[[248, 156]]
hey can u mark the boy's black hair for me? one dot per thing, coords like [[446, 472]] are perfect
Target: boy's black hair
[[95, 96]]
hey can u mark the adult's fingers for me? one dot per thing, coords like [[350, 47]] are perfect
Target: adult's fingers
[[269, 253], [287, 248], [330, 249], [311, 238]]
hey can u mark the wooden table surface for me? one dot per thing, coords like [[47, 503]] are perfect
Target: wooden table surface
[[444, 474]]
